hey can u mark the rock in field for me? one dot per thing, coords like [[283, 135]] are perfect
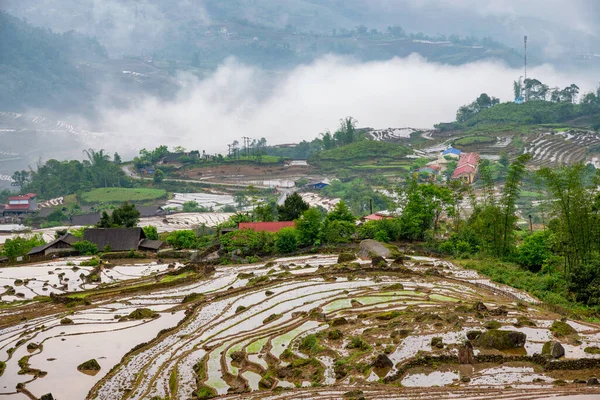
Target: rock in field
[[372, 248], [383, 361], [465, 353], [501, 340], [553, 349]]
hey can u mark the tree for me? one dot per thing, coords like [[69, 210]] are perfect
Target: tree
[[340, 212], [185, 239], [266, 212], [292, 208], [19, 246], [85, 248], [105, 221], [534, 251], [158, 176], [20, 179], [510, 195], [286, 240], [117, 158], [126, 216], [309, 227], [150, 232], [240, 200], [338, 231], [99, 161], [518, 88]]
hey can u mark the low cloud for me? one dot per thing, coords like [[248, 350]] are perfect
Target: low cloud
[[238, 100]]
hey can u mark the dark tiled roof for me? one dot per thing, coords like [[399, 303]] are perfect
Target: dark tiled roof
[[85, 220], [68, 239], [151, 244], [119, 239], [150, 211]]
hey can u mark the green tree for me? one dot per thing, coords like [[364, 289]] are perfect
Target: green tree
[[126, 216], [337, 231], [292, 208], [266, 212], [105, 221], [286, 240], [85, 248], [19, 246], [534, 250], [117, 158], [150, 232], [185, 239], [20, 179], [158, 176], [99, 162], [309, 227], [340, 212]]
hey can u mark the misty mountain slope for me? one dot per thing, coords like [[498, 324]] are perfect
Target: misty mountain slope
[[38, 68]]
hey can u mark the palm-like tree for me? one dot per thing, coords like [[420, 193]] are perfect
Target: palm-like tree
[[99, 163]]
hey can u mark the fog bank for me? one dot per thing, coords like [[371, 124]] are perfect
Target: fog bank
[[238, 100]]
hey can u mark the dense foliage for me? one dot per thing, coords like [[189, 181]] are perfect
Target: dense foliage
[[60, 178]]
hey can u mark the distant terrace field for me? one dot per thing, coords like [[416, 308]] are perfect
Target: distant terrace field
[[121, 195]]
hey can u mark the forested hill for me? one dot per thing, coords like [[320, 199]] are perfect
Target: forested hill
[[39, 68]]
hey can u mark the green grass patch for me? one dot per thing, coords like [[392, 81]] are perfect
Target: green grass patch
[[471, 140], [549, 287], [173, 278], [121, 195]]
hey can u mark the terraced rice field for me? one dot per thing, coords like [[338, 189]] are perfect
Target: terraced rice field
[[561, 148], [301, 327]]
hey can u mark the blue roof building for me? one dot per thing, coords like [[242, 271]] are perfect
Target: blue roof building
[[451, 152]]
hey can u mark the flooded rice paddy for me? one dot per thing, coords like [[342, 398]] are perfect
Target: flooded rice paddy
[[298, 323]]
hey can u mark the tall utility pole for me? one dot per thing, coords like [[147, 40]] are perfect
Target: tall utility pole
[[525, 81]]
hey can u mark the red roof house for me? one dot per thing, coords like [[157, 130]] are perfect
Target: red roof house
[[266, 226], [21, 204], [468, 165]]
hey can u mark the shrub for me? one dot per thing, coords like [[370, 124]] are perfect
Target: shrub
[[358, 343], [86, 248], [534, 251], [286, 240], [248, 242], [337, 231], [185, 239]]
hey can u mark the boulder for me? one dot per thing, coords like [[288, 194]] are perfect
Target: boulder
[[90, 365], [479, 306], [383, 361], [465, 353], [266, 383], [47, 396], [437, 342], [501, 340], [346, 257], [593, 381], [339, 321], [378, 261], [553, 349], [372, 248]]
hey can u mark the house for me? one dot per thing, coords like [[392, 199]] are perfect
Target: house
[[467, 168], [319, 184], [376, 217], [451, 152], [18, 205], [266, 226], [121, 239], [60, 245], [85, 219]]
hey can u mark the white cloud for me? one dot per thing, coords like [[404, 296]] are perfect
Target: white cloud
[[238, 100]]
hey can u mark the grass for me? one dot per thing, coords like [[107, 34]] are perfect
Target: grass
[[548, 287], [173, 381], [121, 195], [173, 278], [471, 140]]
